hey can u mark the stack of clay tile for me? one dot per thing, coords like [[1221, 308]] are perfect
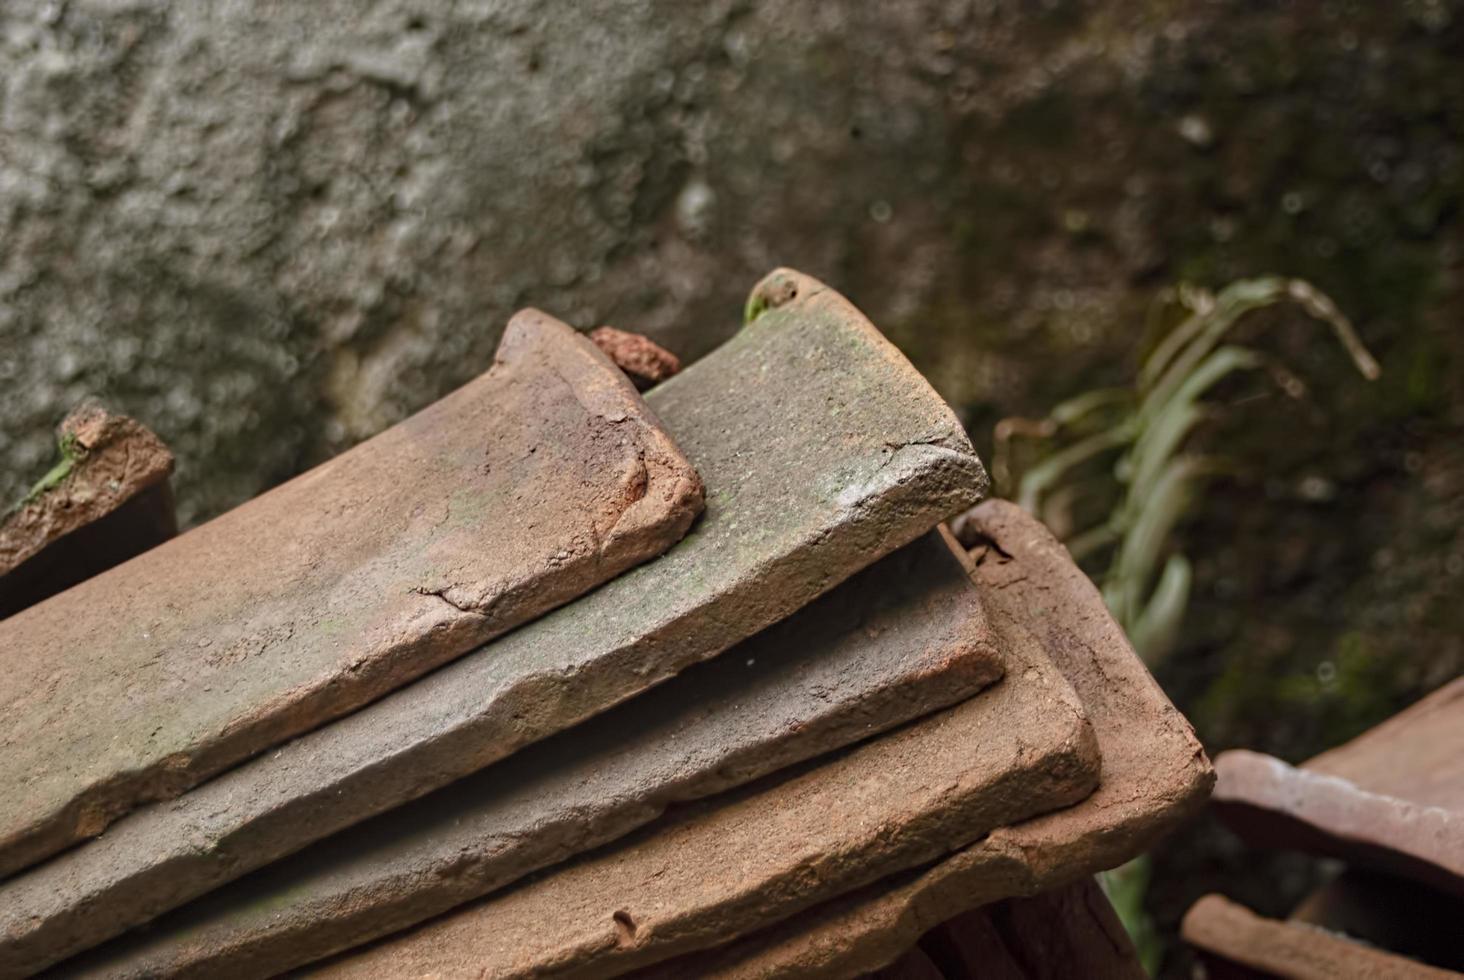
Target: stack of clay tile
[[1390, 806], [556, 679]]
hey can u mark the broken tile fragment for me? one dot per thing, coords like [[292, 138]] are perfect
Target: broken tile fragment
[[821, 448], [1237, 942], [1155, 775], [643, 360], [752, 857], [1271, 804], [900, 639], [1391, 799], [541, 479], [107, 500]]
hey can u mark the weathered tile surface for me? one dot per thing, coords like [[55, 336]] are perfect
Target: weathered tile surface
[[111, 502], [1272, 804], [902, 638], [519, 491], [821, 449], [1155, 775], [1412, 756], [1266, 947], [763, 853], [1392, 798], [1061, 934]]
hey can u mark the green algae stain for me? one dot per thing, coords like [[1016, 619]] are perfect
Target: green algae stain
[[757, 305], [71, 454]]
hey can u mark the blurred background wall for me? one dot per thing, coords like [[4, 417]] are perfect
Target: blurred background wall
[[270, 229]]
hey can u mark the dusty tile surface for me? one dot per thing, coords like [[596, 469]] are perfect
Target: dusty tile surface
[[1155, 776], [821, 449], [519, 491], [900, 639], [750, 858], [108, 501]]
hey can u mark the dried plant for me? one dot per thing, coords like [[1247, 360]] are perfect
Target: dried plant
[[1153, 474]]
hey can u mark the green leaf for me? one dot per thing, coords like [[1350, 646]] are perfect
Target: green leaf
[[1163, 427], [1233, 303], [1156, 631], [1178, 352], [1165, 504], [1042, 477], [1076, 409], [1126, 886]]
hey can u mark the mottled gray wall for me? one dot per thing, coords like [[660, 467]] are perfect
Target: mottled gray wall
[[270, 229]]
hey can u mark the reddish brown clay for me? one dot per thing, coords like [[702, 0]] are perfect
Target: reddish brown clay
[[1239, 943], [544, 477], [734, 864], [1392, 798], [644, 361], [1271, 804], [822, 450], [109, 500], [1412, 756], [902, 638], [1155, 776]]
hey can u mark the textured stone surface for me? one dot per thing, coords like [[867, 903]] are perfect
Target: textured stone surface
[[297, 237], [1392, 798], [543, 478], [1248, 945], [107, 500], [821, 449], [901, 639], [732, 864], [642, 359], [1057, 935], [1271, 804], [1155, 776]]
